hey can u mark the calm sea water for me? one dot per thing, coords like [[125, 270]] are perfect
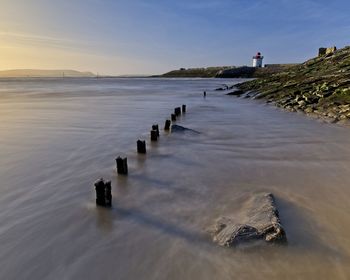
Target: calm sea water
[[59, 135]]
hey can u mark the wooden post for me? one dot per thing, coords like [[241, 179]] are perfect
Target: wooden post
[[108, 194], [173, 117], [156, 127], [167, 125], [183, 108], [177, 111], [103, 193], [141, 147], [100, 192], [154, 135], [122, 165]]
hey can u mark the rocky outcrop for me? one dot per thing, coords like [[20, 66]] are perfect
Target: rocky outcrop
[[320, 87], [327, 51], [258, 220]]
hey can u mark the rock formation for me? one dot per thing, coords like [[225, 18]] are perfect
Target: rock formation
[[327, 51]]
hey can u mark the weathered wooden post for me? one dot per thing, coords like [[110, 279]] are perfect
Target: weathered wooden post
[[100, 192], [156, 127], [167, 125], [183, 108], [177, 111], [103, 193], [122, 165], [154, 135], [173, 117], [108, 194], [141, 147]]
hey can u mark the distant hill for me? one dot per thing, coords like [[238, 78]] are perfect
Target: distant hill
[[20, 73]]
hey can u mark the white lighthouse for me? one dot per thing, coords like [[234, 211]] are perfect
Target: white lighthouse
[[257, 60]]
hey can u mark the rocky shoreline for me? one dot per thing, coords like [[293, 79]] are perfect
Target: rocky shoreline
[[319, 87], [330, 113]]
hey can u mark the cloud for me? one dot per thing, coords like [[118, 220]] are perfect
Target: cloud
[[22, 39]]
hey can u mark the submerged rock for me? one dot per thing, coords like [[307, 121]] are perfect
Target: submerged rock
[[178, 128], [237, 92], [225, 87], [258, 220]]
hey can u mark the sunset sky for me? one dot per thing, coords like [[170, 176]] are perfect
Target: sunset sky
[[149, 37]]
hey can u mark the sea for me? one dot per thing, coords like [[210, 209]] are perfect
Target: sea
[[58, 136]]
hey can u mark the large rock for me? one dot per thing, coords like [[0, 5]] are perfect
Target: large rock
[[258, 220]]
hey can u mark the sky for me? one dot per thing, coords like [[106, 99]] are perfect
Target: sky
[[115, 37]]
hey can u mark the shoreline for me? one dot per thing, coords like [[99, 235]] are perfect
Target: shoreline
[[334, 115], [319, 87]]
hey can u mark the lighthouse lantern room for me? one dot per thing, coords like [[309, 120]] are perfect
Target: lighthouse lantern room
[[257, 60]]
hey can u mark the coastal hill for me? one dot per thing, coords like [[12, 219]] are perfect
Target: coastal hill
[[253, 72], [208, 72], [319, 87], [227, 72], [20, 73]]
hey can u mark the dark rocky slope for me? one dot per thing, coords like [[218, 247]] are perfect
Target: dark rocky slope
[[320, 87]]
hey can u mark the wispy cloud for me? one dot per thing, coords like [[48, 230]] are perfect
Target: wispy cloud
[[38, 40]]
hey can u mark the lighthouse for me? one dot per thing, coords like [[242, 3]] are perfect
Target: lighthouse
[[257, 60]]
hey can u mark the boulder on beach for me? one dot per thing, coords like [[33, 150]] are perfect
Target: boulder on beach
[[257, 220]]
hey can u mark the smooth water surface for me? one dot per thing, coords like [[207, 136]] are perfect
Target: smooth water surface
[[59, 135]]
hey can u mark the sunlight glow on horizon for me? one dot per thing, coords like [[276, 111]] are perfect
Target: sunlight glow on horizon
[[21, 51], [148, 37]]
